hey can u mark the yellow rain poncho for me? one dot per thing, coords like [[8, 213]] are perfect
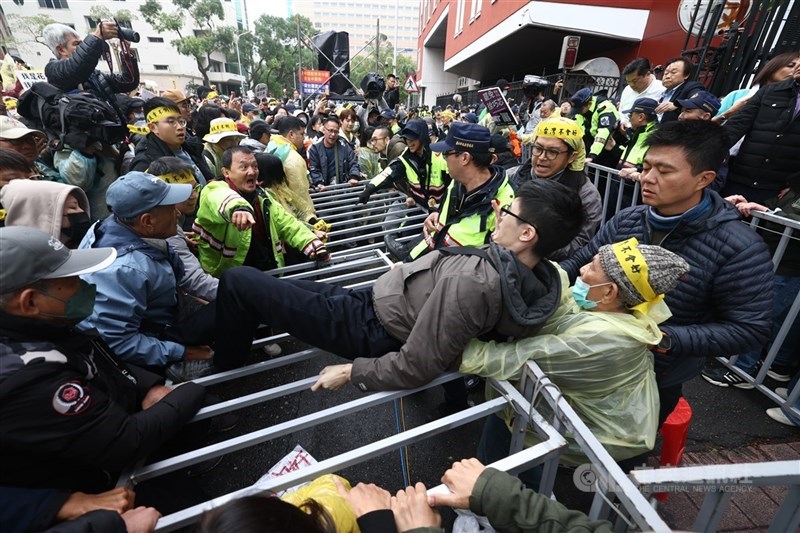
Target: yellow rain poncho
[[601, 364], [323, 490]]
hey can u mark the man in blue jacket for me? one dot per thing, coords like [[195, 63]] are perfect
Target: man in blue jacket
[[724, 304]]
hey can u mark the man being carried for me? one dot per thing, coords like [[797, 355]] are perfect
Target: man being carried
[[413, 324]]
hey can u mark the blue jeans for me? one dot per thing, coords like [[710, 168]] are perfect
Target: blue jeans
[[785, 291]]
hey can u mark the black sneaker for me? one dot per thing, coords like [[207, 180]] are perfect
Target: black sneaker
[[780, 373], [722, 377]]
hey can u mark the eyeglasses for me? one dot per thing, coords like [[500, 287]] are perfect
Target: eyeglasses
[[506, 210], [197, 188], [172, 122], [332, 132], [549, 153], [449, 153]]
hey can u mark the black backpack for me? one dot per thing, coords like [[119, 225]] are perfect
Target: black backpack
[[79, 119]]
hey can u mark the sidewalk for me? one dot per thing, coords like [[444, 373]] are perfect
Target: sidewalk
[[751, 510]]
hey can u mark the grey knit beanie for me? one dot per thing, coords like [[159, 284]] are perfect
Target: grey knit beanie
[[664, 268]]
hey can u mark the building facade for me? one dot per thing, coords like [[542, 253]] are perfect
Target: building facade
[[486, 40], [161, 67], [398, 20]]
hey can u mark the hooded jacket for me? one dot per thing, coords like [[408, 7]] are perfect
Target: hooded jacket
[[39, 204], [722, 306], [438, 303], [71, 412], [294, 165]]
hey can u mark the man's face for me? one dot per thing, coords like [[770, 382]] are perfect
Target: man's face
[[228, 142], [379, 141], [638, 82], [330, 133], [27, 145], [53, 304], [566, 109], [507, 228], [542, 165], [171, 130], [673, 75], [391, 83], [188, 206], [667, 181], [243, 172], [638, 119], [73, 42], [186, 109], [297, 137], [593, 274], [694, 114], [163, 222], [545, 111], [414, 145]]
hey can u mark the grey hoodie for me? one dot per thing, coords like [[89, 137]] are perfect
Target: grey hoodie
[[39, 204]]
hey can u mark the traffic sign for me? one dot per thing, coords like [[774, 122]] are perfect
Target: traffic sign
[[411, 85]]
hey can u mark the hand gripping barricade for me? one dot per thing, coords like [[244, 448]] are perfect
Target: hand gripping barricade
[[359, 266]]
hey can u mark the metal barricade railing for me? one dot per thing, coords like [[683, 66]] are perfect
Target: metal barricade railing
[[719, 483]]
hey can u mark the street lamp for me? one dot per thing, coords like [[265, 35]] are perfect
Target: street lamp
[[239, 59]]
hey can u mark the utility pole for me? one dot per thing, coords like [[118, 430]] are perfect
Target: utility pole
[[396, 24], [378, 47], [299, 82]]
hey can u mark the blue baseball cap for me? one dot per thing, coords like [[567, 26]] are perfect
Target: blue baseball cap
[[643, 105], [472, 118], [581, 98], [701, 100], [388, 113], [465, 137], [138, 192]]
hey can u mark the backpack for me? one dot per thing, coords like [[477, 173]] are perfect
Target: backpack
[[77, 119]]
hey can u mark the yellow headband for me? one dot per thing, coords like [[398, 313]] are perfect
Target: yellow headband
[[184, 176], [558, 130], [635, 267], [138, 130], [212, 95], [161, 112], [223, 126]]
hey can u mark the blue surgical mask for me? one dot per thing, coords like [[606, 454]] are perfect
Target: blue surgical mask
[[580, 291]]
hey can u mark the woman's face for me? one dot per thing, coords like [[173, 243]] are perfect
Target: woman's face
[[785, 72], [347, 124]]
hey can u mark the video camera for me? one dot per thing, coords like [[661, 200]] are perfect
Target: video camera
[[373, 85]]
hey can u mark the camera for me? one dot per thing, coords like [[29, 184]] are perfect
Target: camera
[[127, 33], [373, 85]]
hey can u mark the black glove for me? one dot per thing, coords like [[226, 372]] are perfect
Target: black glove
[[365, 194]]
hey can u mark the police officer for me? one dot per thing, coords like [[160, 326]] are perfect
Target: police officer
[[424, 171], [467, 217], [599, 117]]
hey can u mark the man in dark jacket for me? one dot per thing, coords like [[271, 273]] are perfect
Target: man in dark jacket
[[770, 123], [413, 324], [678, 87], [168, 138], [75, 66], [331, 160], [73, 415], [723, 307]]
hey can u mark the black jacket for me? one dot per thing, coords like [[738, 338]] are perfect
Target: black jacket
[[151, 148], [771, 149], [722, 306], [32, 510], [70, 410], [318, 163], [80, 68], [684, 91]]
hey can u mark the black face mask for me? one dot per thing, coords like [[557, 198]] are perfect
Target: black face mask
[[79, 224]]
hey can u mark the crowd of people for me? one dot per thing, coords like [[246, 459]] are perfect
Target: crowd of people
[[134, 255]]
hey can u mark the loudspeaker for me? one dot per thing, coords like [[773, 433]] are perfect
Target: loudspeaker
[[335, 45]]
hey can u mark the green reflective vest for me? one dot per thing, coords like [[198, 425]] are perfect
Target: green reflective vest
[[427, 195]]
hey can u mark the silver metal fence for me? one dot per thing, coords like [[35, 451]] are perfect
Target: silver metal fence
[[357, 260]]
